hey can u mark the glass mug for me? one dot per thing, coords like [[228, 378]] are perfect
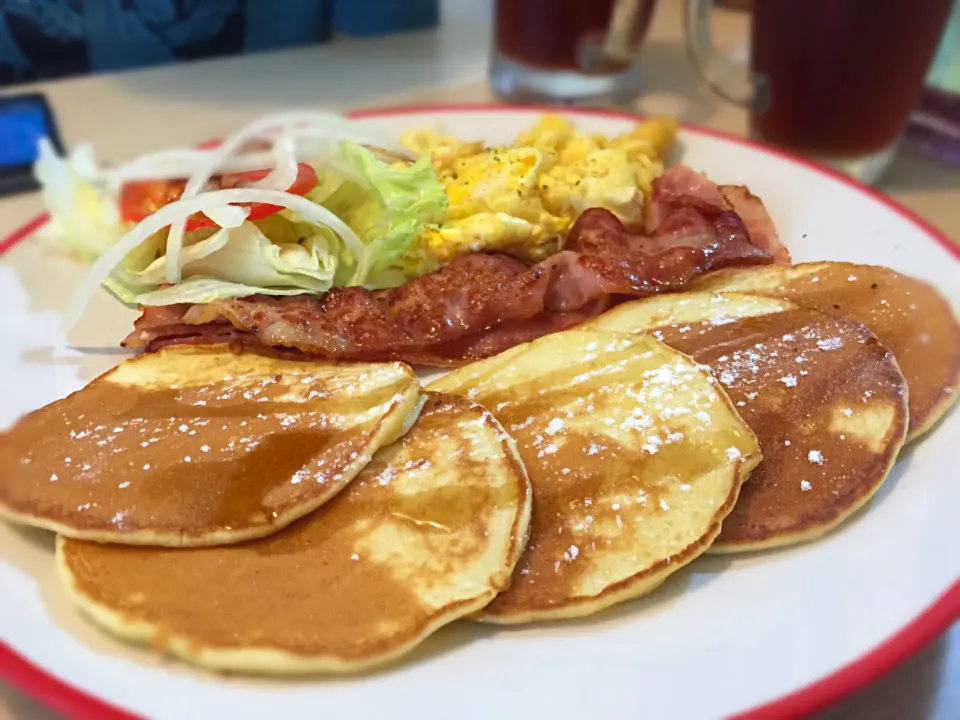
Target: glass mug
[[832, 79], [568, 51]]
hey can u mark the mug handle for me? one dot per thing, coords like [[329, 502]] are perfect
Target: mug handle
[[728, 80]]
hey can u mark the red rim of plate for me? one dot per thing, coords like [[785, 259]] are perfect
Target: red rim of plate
[[934, 620]]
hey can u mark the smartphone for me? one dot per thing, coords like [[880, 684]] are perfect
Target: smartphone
[[24, 119]]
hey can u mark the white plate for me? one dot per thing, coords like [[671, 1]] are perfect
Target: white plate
[[721, 637]]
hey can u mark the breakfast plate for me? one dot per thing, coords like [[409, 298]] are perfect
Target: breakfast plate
[[774, 633]]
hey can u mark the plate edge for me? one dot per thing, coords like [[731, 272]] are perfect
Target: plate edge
[[859, 672], [54, 692]]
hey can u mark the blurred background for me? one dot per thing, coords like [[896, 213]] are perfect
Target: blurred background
[[46, 39], [848, 82]]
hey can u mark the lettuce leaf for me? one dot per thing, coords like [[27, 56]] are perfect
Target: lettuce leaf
[[206, 289], [84, 217], [387, 206], [234, 262]]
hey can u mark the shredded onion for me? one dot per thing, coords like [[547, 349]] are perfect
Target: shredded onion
[[181, 163], [227, 216], [309, 145], [333, 124], [284, 173], [178, 212]]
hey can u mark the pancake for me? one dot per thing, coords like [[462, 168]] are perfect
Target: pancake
[[909, 316], [430, 531], [200, 446], [823, 395], [635, 456]]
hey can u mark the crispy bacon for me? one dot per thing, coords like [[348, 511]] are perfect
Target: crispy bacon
[[753, 213], [471, 294], [503, 337], [165, 325], [601, 258], [681, 188], [480, 304]]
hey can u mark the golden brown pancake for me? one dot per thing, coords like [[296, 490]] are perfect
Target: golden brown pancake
[[428, 532], [909, 316], [823, 395], [200, 446], [635, 456]]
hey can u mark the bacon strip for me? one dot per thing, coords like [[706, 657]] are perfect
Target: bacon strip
[[750, 208], [503, 337], [682, 188], [480, 304], [470, 294], [165, 325]]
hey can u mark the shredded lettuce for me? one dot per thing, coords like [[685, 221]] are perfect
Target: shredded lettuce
[[207, 289], [84, 217], [353, 228], [387, 206], [235, 262]]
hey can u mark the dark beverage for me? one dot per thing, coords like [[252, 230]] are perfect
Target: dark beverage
[[571, 51], [838, 78], [560, 34]]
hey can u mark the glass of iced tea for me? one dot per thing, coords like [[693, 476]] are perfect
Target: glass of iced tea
[[568, 51], [832, 79]]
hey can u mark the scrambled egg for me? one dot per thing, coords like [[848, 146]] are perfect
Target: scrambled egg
[[522, 199]]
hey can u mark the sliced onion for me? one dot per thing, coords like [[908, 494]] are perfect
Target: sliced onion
[[310, 144], [284, 172], [178, 212], [335, 125], [164, 165], [181, 163], [227, 216]]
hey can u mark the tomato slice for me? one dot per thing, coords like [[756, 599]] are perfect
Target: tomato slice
[[140, 198]]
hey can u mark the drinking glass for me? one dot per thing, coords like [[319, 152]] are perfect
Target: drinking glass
[[832, 79], [934, 128], [568, 51]]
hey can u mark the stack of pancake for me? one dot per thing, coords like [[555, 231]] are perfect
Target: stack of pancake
[[271, 515]]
